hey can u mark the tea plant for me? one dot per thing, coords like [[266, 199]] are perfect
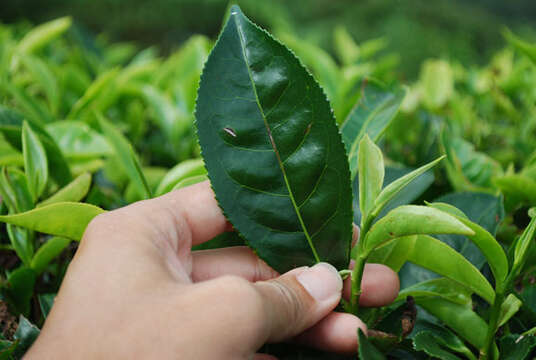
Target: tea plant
[[88, 126]]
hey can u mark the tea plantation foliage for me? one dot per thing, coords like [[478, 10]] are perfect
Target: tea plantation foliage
[[88, 126]]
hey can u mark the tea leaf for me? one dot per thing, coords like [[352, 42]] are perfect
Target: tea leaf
[[74, 191], [22, 241], [35, 162], [522, 245], [18, 289], [43, 34], [435, 340], [509, 308], [26, 334], [373, 112], [396, 186], [66, 219], [463, 320], [523, 46], [45, 303], [48, 252], [78, 141], [43, 75], [411, 220], [440, 258], [371, 173], [515, 347], [179, 172], [367, 351], [190, 181], [127, 158], [11, 126], [491, 249], [273, 151], [441, 287], [437, 82]]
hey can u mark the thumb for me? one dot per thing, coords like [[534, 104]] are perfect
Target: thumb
[[298, 299]]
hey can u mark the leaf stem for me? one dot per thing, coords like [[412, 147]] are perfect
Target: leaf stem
[[487, 351], [357, 275]]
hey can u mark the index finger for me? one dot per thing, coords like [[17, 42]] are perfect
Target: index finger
[[197, 205]]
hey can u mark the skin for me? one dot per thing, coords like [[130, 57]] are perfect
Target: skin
[[136, 290]]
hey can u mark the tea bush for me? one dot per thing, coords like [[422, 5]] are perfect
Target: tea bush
[[88, 126]]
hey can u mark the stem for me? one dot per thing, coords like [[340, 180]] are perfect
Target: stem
[[487, 351], [357, 275]]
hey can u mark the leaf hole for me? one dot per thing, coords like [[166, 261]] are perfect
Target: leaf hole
[[229, 131]]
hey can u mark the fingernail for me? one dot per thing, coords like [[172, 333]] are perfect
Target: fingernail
[[321, 281]]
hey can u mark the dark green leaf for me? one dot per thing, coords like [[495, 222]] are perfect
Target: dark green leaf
[[516, 347], [436, 340], [45, 303], [367, 351], [19, 289], [26, 334], [65, 219], [373, 112], [273, 152]]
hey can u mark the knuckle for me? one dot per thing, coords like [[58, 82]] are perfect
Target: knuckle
[[291, 303]]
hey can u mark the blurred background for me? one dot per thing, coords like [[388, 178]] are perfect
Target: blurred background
[[468, 31]]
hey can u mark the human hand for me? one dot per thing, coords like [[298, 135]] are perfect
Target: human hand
[[135, 290]]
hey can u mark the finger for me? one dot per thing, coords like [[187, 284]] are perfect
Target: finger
[[355, 234], [337, 332], [299, 299], [238, 260], [379, 286]]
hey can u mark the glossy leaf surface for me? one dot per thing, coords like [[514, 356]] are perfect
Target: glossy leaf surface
[[373, 112], [411, 220], [491, 249], [65, 219], [26, 334], [272, 149], [509, 308], [35, 162], [522, 245], [463, 320]]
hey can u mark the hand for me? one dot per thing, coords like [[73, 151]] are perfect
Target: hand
[[135, 290]]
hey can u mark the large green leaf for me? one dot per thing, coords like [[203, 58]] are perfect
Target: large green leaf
[[65, 219], [517, 347], [373, 112], [35, 162], [272, 149]]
